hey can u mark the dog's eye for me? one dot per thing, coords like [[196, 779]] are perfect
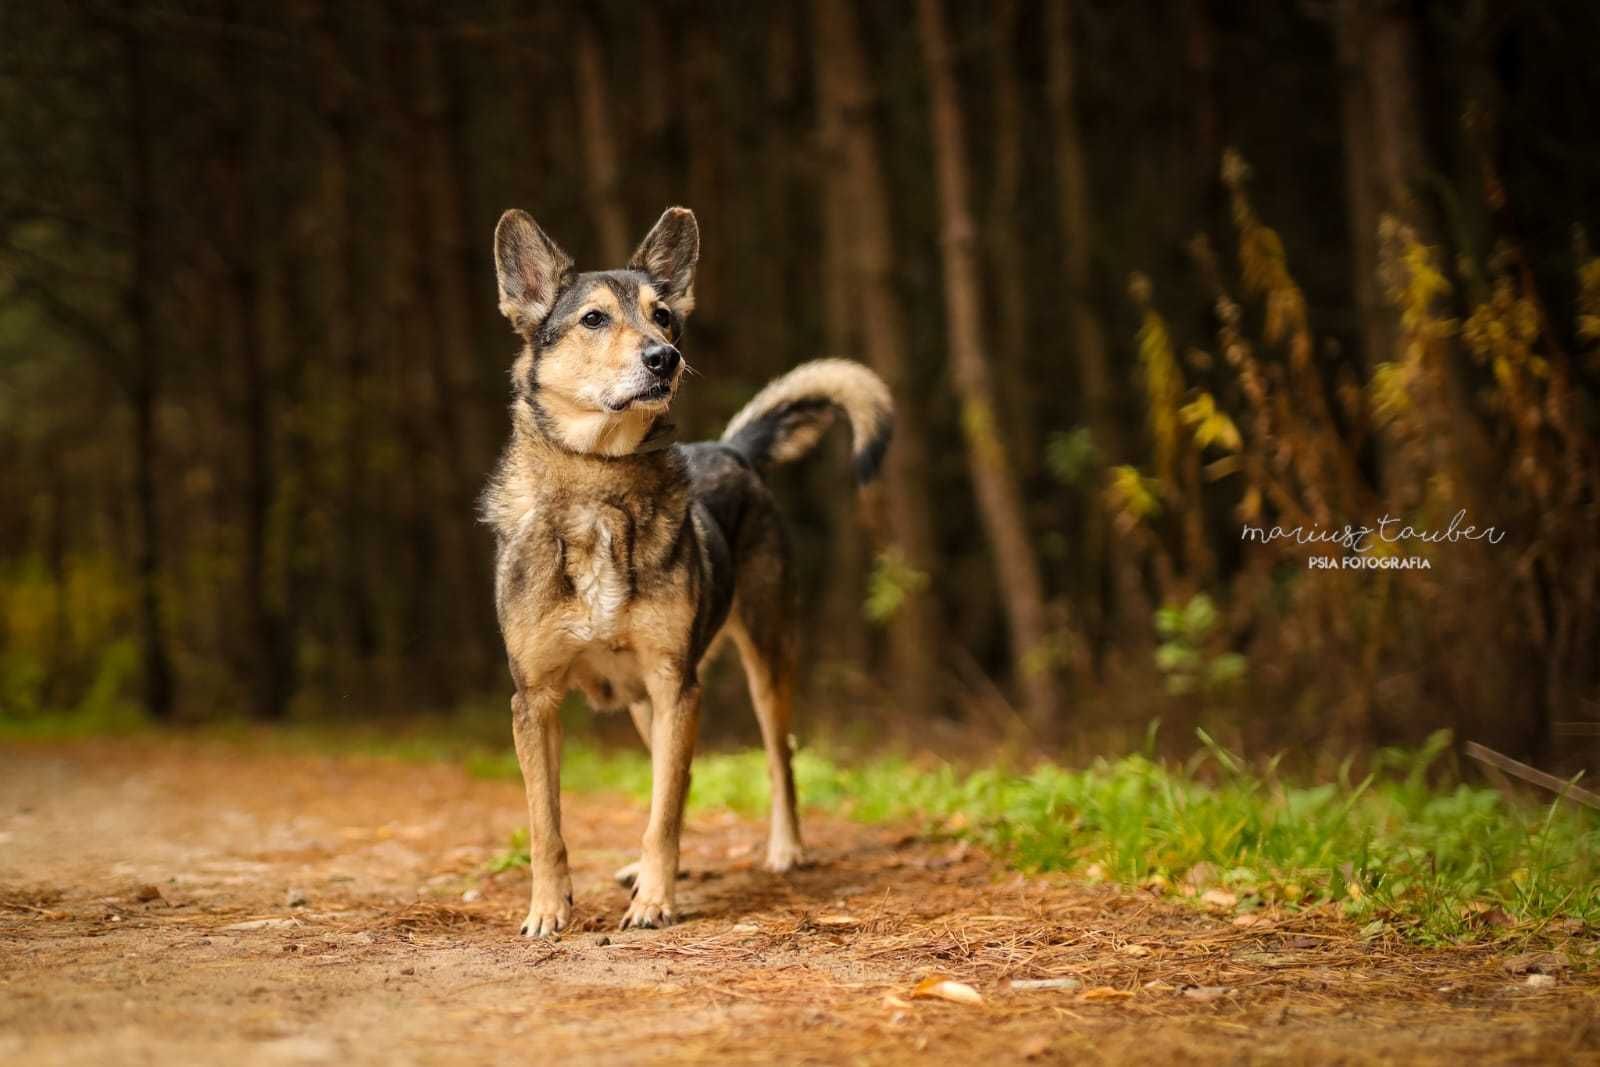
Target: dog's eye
[[594, 319], [662, 317]]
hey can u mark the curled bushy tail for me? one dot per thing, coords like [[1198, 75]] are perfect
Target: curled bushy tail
[[786, 419]]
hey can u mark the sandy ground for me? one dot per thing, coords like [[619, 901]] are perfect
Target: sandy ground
[[186, 903]]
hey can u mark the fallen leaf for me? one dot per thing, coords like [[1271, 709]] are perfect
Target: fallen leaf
[[837, 920], [946, 989], [262, 924], [1487, 914], [1271, 959], [1205, 993], [1135, 950], [1219, 898], [1541, 981], [1105, 992], [1536, 963], [1045, 983], [1253, 918]]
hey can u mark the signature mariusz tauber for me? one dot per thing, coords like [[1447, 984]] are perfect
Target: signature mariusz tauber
[[1361, 540]]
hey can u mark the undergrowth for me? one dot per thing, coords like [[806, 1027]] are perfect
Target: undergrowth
[[1395, 849]]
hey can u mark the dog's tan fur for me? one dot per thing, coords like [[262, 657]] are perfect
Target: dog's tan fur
[[622, 560]]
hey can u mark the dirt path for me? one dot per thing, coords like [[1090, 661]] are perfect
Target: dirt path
[[386, 962]]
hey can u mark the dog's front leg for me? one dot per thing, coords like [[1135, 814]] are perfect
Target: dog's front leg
[[672, 735], [536, 724]]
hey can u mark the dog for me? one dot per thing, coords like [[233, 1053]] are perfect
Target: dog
[[622, 558]]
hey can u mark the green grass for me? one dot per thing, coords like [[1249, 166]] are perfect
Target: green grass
[[1401, 849], [1409, 847]]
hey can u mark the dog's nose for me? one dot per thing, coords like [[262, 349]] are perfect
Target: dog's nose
[[660, 360]]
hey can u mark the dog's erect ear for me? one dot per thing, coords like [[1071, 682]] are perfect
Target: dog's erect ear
[[531, 269], [668, 254]]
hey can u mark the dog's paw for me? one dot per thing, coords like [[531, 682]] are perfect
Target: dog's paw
[[549, 913], [651, 907], [647, 915], [784, 856], [628, 875]]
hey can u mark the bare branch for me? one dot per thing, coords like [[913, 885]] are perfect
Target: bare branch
[[1561, 787]]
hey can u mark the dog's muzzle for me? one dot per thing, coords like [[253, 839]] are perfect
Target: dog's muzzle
[[660, 360]]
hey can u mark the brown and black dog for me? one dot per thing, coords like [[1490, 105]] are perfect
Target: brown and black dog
[[621, 558]]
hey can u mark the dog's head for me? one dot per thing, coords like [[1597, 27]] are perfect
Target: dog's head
[[601, 362]]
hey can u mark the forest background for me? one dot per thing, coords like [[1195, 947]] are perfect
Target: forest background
[[1139, 276]]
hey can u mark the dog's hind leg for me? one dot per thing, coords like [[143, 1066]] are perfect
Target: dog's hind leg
[[769, 669], [639, 711]]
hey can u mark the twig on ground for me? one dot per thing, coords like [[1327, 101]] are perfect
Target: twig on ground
[[1560, 786]]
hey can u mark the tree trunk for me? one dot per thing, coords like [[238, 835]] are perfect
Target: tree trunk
[[1005, 229], [1384, 150], [1384, 168], [270, 682], [1361, 190], [1126, 616], [159, 694], [453, 296], [1200, 61], [443, 480], [706, 175], [843, 89], [847, 637], [999, 499], [603, 186], [268, 697], [1077, 209], [349, 339]]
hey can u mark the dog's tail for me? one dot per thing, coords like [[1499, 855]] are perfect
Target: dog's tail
[[786, 419]]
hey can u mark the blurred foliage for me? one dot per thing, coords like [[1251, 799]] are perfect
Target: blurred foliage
[[1072, 456], [1187, 655], [252, 374], [893, 580], [1484, 419], [66, 657]]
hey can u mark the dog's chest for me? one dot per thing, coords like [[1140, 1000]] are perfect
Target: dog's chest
[[596, 550]]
